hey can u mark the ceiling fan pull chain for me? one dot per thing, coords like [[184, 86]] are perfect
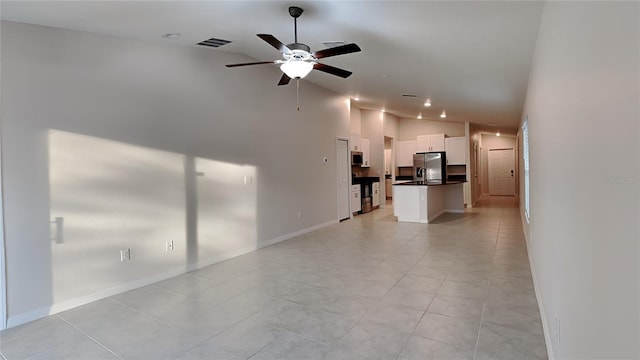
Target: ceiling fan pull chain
[[298, 93]]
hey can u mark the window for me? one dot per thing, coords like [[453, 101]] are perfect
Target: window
[[525, 154]]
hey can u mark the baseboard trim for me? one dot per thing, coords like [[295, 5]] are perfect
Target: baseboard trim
[[278, 239], [536, 288], [433, 217], [82, 300], [39, 313], [457, 211]]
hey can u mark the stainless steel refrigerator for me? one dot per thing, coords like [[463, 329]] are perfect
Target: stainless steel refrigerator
[[430, 167]]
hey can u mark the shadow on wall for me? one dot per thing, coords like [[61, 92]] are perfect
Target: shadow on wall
[[174, 212]]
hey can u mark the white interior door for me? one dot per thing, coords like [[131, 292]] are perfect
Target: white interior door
[[342, 171], [502, 172]]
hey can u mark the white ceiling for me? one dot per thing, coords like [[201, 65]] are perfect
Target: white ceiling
[[472, 58]]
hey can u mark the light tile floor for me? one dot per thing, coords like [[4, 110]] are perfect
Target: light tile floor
[[368, 288]]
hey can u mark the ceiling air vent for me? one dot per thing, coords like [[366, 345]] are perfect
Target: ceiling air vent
[[410, 95], [332, 44], [213, 42]]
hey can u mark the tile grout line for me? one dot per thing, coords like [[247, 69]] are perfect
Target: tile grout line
[[484, 305], [91, 338], [421, 317]]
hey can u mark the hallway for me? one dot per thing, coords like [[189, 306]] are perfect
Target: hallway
[[367, 288]]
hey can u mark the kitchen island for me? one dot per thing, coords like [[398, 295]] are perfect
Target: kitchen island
[[422, 202]]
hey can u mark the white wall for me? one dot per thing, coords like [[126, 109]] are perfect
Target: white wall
[[110, 133], [355, 118], [410, 128], [390, 126], [372, 122], [583, 110]]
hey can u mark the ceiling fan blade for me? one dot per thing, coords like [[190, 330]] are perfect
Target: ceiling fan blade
[[284, 80], [251, 63], [339, 50], [332, 70], [274, 42]]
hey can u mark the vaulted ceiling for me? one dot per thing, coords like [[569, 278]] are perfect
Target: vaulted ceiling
[[471, 58]]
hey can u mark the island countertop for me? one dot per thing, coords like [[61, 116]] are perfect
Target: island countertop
[[430, 183]]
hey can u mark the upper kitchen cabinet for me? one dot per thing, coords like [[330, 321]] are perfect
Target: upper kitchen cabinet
[[434, 142], [365, 148], [405, 151], [455, 148], [356, 142]]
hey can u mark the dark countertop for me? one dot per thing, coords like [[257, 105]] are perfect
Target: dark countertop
[[403, 177], [431, 183], [365, 179]]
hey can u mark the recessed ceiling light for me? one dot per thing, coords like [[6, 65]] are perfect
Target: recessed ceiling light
[[382, 110], [443, 115], [356, 98], [420, 116], [498, 133], [427, 103], [171, 36]]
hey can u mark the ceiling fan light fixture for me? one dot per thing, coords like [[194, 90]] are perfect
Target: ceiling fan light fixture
[[296, 69]]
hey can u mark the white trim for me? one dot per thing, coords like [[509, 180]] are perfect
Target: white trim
[[457, 211], [536, 289], [340, 138], [82, 300], [296, 233], [3, 274]]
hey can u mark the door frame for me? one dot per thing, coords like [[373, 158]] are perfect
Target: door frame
[[513, 153], [3, 277], [339, 138], [383, 201]]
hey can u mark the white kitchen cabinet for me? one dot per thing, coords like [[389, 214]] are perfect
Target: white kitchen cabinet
[[434, 142], [455, 148], [375, 194], [365, 152], [356, 142], [356, 201], [405, 151]]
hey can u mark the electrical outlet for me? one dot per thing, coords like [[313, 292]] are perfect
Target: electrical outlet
[[125, 255], [557, 329], [169, 246]]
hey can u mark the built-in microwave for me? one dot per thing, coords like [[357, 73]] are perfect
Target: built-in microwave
[[356, 158]]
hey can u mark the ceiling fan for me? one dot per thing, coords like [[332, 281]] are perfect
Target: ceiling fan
[[298, 58]]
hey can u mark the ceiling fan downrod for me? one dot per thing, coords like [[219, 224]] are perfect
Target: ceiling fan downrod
[[295, 13]]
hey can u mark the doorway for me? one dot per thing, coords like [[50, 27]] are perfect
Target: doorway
[[502, 172], [389, 168], [342, 175]]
